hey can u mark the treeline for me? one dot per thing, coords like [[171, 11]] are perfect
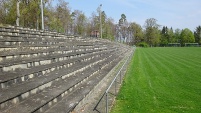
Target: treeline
[[58, 17], [61, 18], [156, 35]]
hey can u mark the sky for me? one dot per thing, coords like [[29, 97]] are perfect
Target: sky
[[171, 13]]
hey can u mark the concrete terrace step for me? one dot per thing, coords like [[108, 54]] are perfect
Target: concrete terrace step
[[8, 78], [38, 81], [33, 45], [68, 103], [43, 71], [59, 47], [23, 54], [30, 54], [49, 94], [23, 63], [27, 38], [19, 30], [96, 67]]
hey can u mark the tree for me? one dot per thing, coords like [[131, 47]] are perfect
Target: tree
[[123, 25], [25, 13], [103, 17], [171, 38], [10, 12], [151, 22], [30, 13], [187, 36], [177, 34], [2, 11], [80, 23], [137, 33], [109, 29], [104, 26], [152, 34], [164, 36], [197, 34], [72, 20], [123, 17], [63, 16], [93, 22]]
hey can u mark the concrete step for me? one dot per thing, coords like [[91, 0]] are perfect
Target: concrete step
[[92, 68], [41, 81], [47, 59], [9, 78], [69, 102], [21, 53]]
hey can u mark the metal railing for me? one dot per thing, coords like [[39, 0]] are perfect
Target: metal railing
[[114, 82]]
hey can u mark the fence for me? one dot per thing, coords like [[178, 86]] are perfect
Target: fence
[[114, 86]]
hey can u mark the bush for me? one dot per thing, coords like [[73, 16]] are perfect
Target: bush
[[143, 44]]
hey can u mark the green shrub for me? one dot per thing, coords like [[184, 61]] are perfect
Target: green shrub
[[143, 44]]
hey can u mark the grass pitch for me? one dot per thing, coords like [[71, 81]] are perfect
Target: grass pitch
[[162, 80]]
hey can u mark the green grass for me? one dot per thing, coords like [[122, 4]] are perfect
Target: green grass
[[162, 80]]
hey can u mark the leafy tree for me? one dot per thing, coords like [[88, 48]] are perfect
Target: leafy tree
[[103, 17], [152, 34], [109, 29], [95, 24], [120, 22], [156, 40], [80, 23], [63, 16], [104, 26], [137, 33], [164, 36], [30, 13], [197, 34], [123, 17], [177, 34], [187, 36], [2, 11], [171, 38], [123, 27], [10, 8]]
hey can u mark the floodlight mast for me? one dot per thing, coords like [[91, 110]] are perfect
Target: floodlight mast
[[100, 21], [42, 14], [18, 13]]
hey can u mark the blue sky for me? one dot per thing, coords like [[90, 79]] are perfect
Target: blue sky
[[172, 13]]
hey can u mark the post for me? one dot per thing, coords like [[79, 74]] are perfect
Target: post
[[120, 77], [106, 102], [18, 13], [100, 20], [42, 14], [115, 86]]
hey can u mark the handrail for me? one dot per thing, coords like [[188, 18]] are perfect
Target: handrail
[[118, 73], [107, 90]]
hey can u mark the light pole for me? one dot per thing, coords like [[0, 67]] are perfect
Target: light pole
[[18, 13], [42, 14], [100, 20]]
